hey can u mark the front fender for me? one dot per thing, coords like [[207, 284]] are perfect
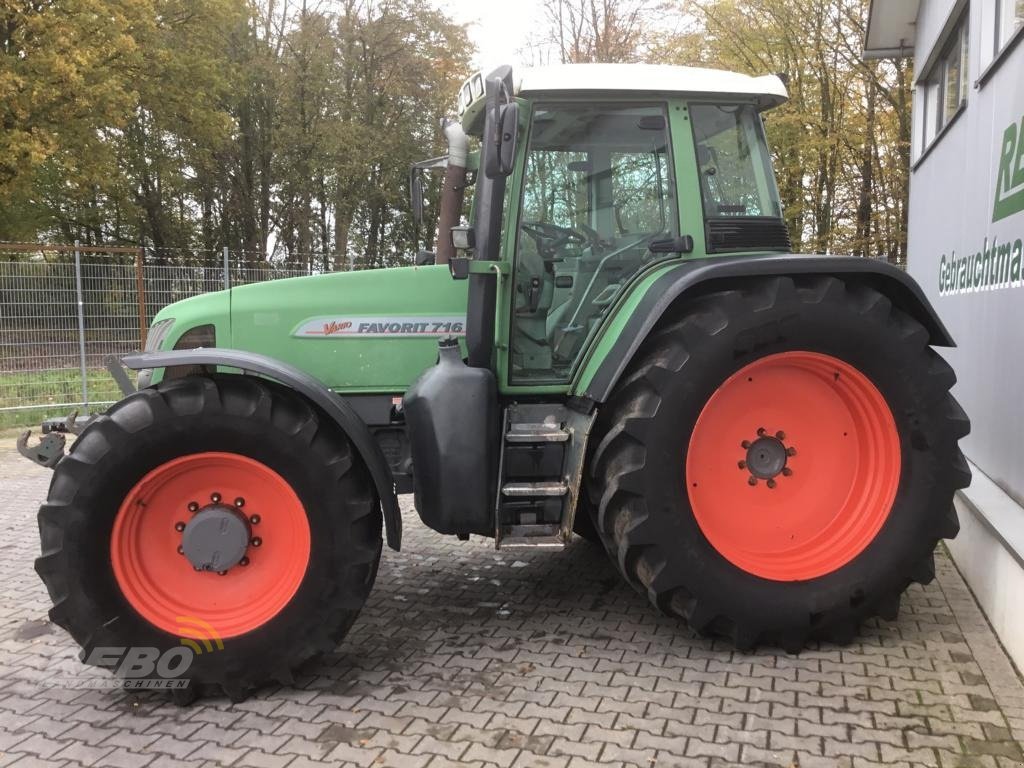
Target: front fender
[[313, 390], [894, 283]]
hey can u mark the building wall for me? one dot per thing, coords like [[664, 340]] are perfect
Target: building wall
[[952, 196]]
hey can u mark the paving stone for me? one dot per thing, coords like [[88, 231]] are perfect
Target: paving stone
[[502, 757], [431, 677]]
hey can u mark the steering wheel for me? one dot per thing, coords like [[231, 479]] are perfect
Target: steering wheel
[[551, 238]]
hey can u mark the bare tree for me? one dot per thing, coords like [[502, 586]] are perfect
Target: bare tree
[[601, 30]]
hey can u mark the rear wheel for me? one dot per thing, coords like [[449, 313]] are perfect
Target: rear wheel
[[219, 513], [779, 461], [583, 522]]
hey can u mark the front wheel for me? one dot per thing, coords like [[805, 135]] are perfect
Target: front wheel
[[779, 461], [219, 514]]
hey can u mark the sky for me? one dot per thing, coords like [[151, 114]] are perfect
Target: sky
[[499, 29]]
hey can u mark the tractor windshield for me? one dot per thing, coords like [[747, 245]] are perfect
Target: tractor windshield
[[741, 202]]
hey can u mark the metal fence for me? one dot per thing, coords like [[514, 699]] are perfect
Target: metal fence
[[64, 309]]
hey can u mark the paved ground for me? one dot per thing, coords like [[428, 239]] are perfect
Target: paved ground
[[467, 656]]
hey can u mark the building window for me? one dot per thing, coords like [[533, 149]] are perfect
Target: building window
[[943, 90], [1009, 18], [952, 74]]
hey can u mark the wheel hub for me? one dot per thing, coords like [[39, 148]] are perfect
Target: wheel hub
[[216, 538], [766, 457]]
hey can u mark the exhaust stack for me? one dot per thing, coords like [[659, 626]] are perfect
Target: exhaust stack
[[453, 188]]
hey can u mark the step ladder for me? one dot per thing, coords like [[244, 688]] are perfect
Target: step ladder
[[539, 474]]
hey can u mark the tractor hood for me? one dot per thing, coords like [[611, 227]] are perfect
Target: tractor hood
[[368, 331]]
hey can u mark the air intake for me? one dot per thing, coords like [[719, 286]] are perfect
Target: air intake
[[747, 234]]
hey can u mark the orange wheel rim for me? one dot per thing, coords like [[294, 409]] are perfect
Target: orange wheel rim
[[793, 466], [155, 573]]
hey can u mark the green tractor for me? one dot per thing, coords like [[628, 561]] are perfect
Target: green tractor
[[612, 338]]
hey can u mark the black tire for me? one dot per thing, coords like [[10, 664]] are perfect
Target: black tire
[[235, 414], [583, 522], [636, 468]]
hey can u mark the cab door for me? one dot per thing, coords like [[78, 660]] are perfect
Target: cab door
[[597, 190]]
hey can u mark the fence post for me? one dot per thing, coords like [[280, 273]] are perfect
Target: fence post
[[81, 326], [227, 270], [140, 294]]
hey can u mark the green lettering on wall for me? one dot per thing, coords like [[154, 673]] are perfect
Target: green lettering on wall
[[1003, 264], [1009, 198]]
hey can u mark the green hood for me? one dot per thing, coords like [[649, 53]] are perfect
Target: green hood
[[368, 331]]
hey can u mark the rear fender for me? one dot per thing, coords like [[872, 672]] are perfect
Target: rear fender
[[314, 391], [701, 274]]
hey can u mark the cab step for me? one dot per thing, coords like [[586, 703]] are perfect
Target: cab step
[[539, 474], [545, 535], [545, 432], [519, 490]]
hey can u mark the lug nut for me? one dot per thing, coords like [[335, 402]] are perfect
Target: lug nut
[[256, 541], [193, 506], [196, 568], [244, 561], [761, 431], [781, 435], [751, 480], [222, 573], [181, 550], [745, 444], [215, 497], [239, 502], [179, 526], [787, 471], [254, 519], [771, 482], [741, 464], [791, 451]]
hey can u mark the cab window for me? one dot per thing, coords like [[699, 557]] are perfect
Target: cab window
[[598, 190], [735, 168]]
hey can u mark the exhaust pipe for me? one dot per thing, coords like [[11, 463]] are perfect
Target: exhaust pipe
[[453, 188]]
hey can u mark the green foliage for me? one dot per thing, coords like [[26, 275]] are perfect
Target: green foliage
[[282, 129], [841, 143], [195, 124], [60, 388]]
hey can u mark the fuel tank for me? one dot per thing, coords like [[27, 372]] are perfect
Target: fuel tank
[[451, 415]]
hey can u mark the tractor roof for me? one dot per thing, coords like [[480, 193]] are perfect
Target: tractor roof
[[609, 79], [769, 90]]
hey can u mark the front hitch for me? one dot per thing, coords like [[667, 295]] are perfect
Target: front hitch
[[47, 452]]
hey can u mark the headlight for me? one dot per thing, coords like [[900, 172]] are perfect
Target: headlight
[[157, 333], [200, 336], [193, 338]]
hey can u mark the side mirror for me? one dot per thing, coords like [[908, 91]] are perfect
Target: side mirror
[[504, 139], [416, 195]]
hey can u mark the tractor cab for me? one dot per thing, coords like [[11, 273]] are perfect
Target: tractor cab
[[603, 172], [587, 178]]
